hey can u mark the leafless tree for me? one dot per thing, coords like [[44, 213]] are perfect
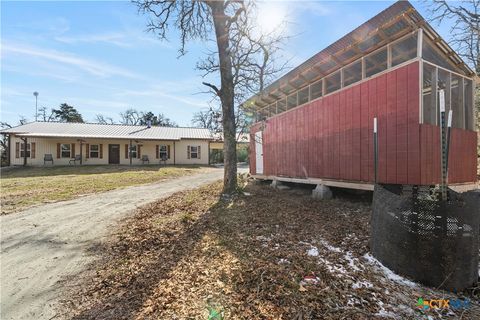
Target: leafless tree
[[22, 120], [465, 30], [4, 138], [44, 115], [464, 34], [100, 118], [210, 119], [130, 116], [242, 55]]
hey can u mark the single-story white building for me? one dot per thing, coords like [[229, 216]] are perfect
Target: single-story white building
[[36, 143]]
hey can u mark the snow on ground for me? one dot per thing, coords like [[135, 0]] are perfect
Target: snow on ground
[[313, 252], [329, 246], [387, 272]]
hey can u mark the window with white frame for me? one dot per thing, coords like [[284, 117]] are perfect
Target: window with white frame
[[303, 95], [94, 151], [133, 151], [352, 73], [163, 152], [376, 62], [316, 89], [22, 150], [66, 150], [193, 152], [404, 50]]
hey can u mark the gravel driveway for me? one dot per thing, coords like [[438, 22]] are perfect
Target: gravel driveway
[[42, 245]]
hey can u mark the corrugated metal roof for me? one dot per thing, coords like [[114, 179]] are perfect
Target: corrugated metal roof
[[112, 131]]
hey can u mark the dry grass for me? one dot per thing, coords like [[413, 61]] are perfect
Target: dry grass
[[192, 255], [26, 187]]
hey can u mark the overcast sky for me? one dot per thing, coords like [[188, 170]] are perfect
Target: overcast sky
[[97, 56]]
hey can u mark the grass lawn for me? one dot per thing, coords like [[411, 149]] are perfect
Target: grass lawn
[[264, 255], [25, 187]]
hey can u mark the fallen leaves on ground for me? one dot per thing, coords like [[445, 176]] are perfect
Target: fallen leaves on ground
[[263, 255]]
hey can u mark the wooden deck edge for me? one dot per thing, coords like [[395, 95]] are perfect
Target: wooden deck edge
[[461, 187]]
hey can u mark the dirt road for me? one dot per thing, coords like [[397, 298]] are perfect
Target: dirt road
[[42, 245]]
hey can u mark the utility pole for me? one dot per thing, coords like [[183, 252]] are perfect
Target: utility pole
[[36, 104]]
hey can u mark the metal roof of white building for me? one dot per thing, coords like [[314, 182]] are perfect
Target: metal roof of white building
[[111, 131]]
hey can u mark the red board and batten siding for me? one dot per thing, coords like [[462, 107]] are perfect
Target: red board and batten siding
[[331, 137]]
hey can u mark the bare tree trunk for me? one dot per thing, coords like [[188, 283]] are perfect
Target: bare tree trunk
[[226, 96]]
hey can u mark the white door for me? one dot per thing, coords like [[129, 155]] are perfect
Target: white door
[[259, 152]]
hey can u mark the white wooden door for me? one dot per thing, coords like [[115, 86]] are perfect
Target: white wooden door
[[259, 152]]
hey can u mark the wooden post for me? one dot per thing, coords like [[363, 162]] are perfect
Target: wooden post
[[81, 152], [24, 151], [130, 152], [174, 153]]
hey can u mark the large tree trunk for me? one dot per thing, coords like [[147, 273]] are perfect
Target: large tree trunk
[[226, 94]]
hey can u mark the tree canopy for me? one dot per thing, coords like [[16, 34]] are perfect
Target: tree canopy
[[67, 113]]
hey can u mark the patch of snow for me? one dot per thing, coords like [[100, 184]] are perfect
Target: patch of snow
[[362, 284], [352, 302], [351, 261], [329, 246], [283, 261], [262, 238], [389, 273], [336, 269], [313, 252], [247, 194], [386, 314]]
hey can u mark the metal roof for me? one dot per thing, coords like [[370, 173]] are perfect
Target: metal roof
[[108, 131]]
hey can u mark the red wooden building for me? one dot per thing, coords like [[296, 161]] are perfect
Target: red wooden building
[[315, 124]]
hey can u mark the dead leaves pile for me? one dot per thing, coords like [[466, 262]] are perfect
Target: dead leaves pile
[[194, 256]]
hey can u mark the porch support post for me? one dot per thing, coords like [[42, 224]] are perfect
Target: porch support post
[[174, 153], [130, 152], [81, 152], [9, 150], [24, 151]]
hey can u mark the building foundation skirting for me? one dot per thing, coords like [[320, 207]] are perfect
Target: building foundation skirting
[[357, 185]]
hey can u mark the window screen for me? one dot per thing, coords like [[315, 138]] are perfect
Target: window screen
[[429, 94], [292, 101], [281, 105], [303, 95], [433, 54], [273, 109], [457, 102], [443, 83], [316, 90], [352, 73], [404, 50], [376, 62], [332, 82], [469, 117]]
